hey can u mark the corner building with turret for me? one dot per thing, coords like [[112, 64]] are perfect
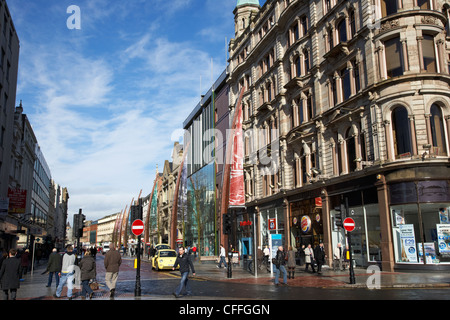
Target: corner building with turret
[[350, 103]]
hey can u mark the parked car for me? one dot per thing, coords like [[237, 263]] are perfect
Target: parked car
[[164, 259]]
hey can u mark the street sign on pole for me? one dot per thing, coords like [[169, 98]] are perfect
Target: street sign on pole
[[349, 224], [137, 227]]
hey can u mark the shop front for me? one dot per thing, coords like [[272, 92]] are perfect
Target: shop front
[[420, 213], [362, 207], [306, 223], [271, 221]]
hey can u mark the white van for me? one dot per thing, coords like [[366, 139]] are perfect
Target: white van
[[105, 247]]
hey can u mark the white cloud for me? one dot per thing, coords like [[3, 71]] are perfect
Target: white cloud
[[104, 118]]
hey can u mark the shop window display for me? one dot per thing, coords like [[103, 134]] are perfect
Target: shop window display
[[421, 230]]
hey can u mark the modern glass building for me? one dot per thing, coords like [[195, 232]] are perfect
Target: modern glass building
[[200, 225]]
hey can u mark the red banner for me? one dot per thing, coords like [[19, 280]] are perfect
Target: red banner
[[237, 193]]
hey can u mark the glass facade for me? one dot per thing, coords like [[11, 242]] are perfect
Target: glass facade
[[200, 224], [366, 238], [306, 223], [271, 222], [420, 221]]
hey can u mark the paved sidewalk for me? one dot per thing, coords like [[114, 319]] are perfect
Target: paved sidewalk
[[329, 278], [34, 286]]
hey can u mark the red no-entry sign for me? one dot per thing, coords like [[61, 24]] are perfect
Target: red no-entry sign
[[349, 224], [137, 227]]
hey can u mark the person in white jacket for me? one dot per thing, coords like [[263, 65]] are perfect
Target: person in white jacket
[[309, 258], [222, 257]]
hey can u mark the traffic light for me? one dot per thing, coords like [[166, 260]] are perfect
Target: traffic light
[[78, 224], [226, 223], [135, 213], [339, 215]]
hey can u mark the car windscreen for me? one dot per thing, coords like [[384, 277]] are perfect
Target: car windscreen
[[169, 254]]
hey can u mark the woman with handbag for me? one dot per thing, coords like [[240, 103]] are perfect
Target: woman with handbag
[[88, 271]]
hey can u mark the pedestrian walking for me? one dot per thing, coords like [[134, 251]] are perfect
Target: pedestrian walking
[[24, 263], [10, 275], [280, 266], [112, 263], [54, 267], [222, 256], [67, 273], [319, 254], [184, 261], [88, 270], [291, 263], [337, 258], [309, 258], [302, 255], [266, 252]]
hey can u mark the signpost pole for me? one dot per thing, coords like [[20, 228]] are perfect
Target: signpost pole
[[349, 232], [137, 289], [137, 228]]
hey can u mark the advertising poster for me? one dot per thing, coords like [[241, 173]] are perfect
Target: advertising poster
[[443, 234], [408, 241]]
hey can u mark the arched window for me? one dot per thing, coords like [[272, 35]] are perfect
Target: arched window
[[437, 130], [401, 132], [351, 150]]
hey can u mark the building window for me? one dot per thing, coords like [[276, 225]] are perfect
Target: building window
[[342, 31], [401, 132], [294, 34], [388, 7], [345, 83], [428, 52], [309, 108], [351, 150], [357, 77], [437, 131], [297, 65], [424, 4], [306, 65], [394, 57], [352, 23], [304, 25]]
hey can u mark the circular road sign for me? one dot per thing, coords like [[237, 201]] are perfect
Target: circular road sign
[[349, 224], [137, 227]]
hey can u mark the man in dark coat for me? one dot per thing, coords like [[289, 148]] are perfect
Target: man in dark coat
[[112, 263], [184, 261], [54, 267], [10, 275], [319, 254]]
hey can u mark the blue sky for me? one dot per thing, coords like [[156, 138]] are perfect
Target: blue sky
[[105, 99]]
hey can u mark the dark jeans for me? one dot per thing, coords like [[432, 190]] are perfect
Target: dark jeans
[[85, 288], [184, 284], [50, 278]]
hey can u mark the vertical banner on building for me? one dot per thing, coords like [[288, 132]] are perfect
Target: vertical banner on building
[[237, 194], [408, 241]]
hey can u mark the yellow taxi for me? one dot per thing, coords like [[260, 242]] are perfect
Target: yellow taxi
[[164, 259]]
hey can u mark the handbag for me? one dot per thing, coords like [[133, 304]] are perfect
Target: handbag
[[94, 284]]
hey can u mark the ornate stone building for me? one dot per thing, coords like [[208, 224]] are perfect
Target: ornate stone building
[[347, 102]]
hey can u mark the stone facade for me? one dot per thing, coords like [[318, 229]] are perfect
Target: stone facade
[[340, 94]]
